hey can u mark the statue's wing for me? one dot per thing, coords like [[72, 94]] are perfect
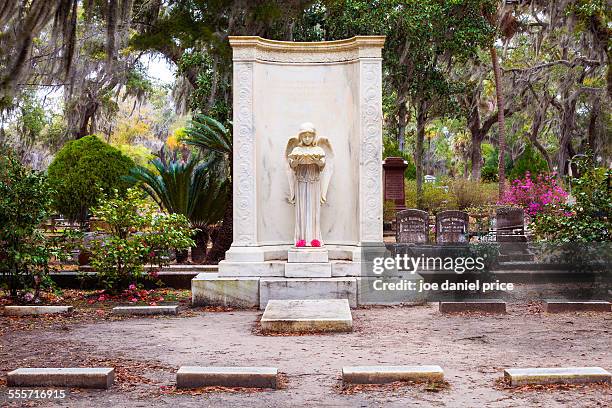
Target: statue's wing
[[293, 142], [328, 170]]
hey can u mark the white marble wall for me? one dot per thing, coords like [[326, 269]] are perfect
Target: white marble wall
[[277, 86]]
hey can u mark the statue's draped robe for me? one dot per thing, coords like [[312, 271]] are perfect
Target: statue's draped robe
[[307, 203]]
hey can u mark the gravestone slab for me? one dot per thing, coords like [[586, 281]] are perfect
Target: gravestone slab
[[88, 377], [412, 226], [287, 316], [388, 374], [562, 375], [248, 377], [452, 227]]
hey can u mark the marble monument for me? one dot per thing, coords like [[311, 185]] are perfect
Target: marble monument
[[303, 211]]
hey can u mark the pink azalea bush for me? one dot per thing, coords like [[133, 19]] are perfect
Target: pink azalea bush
[[315, 243], [301, 243], [534, 195]]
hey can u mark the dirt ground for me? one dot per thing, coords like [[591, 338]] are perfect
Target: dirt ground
[[473, 350]]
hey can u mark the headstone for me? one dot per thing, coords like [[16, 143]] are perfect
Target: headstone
[[452, 227], [510, 224], [430, 179], [394, 189], [412, 226]]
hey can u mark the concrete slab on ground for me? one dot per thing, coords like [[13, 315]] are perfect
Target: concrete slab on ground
[[250, 377], [482, 306], [81, 377], [560, 375], [388, 374], [146, 310], [561, 306], [35, 310], [326, 315]]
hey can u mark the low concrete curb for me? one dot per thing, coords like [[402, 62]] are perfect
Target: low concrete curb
[[387, 374], [482, 306], [562, 375], [561, 306], [146, 310], [90, 377], [35, 310], [248, 377]]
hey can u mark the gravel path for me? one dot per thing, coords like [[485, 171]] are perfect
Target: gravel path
[[473, 350]]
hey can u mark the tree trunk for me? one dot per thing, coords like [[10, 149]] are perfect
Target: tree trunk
[[476, 156], [225, 235], [501, 170], [401, 121], [198, 252], [418, 152]]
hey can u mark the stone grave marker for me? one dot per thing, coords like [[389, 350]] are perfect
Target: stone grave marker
[[412, 226], [510, 224], [394, 189], [452, 227]]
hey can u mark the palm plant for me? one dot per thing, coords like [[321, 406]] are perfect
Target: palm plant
[[212, 137], [192, 187]]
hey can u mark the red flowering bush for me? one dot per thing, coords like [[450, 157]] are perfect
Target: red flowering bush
[[301, 243], [534, 195], [315, 243]]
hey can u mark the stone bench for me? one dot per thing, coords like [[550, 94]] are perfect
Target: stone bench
[[388, 374], [483, 306], [146, 310], [560, 306], [248, 377], [90, 377], [35, 310], [563, 375]]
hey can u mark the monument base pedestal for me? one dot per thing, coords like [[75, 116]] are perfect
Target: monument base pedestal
[[210, 289]]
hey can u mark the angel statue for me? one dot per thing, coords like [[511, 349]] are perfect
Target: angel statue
[[309, 169]]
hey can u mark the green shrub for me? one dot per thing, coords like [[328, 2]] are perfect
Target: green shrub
[[25, 199], [82, 172], [530, 161], [137, 235], [435, 197], [589, 219], [468, 193], [489, 174], [391, 149]]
